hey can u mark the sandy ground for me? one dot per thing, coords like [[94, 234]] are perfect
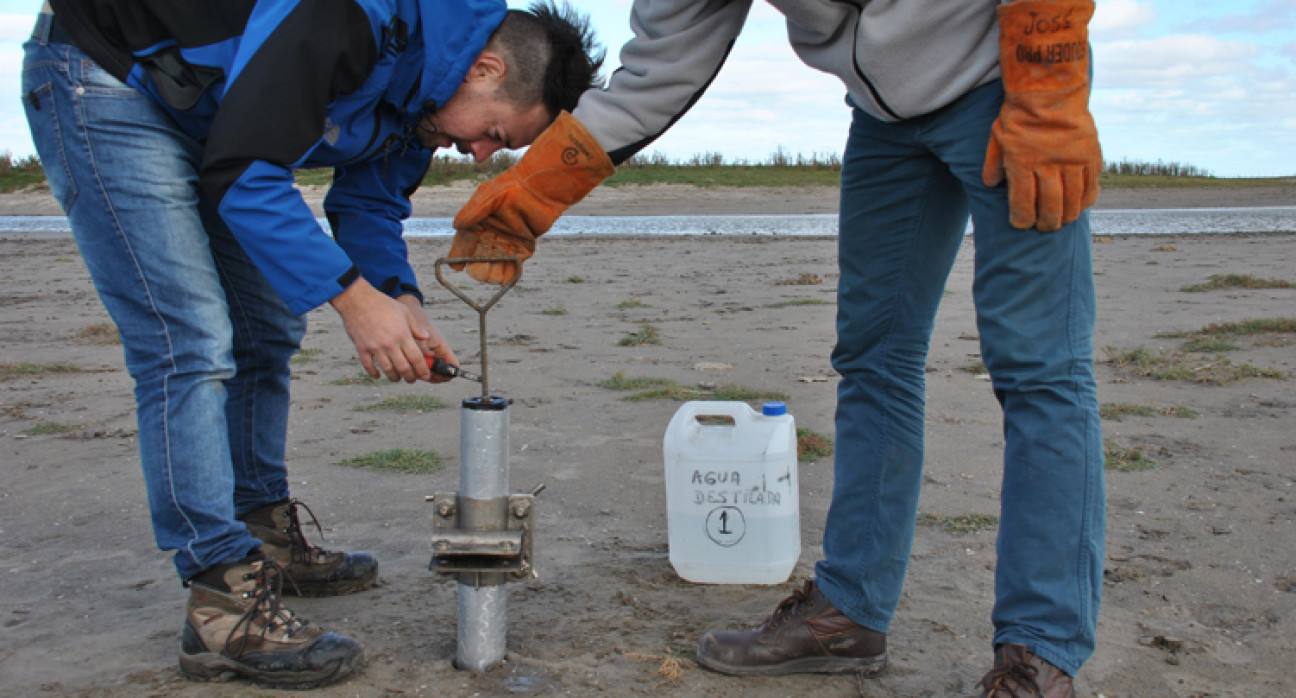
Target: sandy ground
[[1200, 593]]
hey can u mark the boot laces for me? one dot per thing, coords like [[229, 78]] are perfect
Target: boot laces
[[266, 605], [303, 551], [789, 605], [1006, 680]]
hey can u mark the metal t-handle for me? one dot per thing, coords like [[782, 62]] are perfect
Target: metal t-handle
[[481, 308]]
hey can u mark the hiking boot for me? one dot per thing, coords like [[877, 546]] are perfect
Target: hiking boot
[[1020, 674], [308, 570], [236, 627], [806, 634]]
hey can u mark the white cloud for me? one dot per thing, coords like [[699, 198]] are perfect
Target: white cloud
[[1271, 16], [16, 27], [15, 138], [1169, 60], [1288, 50], [1115, 19]]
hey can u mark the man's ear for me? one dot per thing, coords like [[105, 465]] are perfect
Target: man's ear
[[489, 67]]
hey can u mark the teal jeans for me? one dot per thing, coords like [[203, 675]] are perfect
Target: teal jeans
[[907, 191]]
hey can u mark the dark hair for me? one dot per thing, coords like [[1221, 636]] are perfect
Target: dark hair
[[551, 53]]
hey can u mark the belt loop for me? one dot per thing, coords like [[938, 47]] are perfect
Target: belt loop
[[44, 23]]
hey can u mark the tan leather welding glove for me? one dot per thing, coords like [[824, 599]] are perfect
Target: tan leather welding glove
[[506, 215], [1044, 142]]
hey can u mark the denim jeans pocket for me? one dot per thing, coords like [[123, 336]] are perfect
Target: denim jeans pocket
[[40, 78], [95, 80]]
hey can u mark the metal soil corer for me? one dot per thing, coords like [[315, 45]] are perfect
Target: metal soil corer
[[482, 535]]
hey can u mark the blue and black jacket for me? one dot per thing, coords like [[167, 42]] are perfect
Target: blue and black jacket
[[274, 85]]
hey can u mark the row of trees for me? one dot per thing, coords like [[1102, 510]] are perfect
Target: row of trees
[[451, 167], [782, 158], [1160, 168]]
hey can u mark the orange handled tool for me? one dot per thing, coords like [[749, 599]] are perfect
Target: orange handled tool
[[446, 368]]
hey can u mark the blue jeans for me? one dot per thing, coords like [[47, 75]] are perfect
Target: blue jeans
[[907, 191], [206, 339]]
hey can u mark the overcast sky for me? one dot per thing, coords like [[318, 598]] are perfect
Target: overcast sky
[[1209, 83]]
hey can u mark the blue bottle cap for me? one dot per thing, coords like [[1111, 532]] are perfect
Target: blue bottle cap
[[773, 409]]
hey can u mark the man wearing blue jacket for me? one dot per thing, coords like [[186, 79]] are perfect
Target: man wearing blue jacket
[[169, 133], [974, 108]]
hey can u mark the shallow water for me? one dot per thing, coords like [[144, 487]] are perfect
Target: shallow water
[[1104, 222]]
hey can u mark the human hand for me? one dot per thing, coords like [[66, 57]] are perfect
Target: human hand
[[389, 339], [434, 345]]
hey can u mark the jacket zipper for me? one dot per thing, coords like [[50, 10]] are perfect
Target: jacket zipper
[[877, 98]]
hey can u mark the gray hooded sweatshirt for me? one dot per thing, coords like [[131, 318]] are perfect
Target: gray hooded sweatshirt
[[897, 59]]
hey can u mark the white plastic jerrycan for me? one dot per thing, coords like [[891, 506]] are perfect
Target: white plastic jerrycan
[[732, 506]]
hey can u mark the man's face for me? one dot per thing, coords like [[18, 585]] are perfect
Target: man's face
[[478, 121]]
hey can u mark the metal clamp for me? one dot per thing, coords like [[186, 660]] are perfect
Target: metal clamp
[[483, 540], [480, 307]]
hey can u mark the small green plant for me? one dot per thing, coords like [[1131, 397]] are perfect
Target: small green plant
[[1124, 459], [805, 279], [673, 391], [8, 369], [961, 524], [1212, 337], [406, 403], [743, 394], [1239, 329], [666, 389], [47, 428], [619, 381], [1208, 345], [1179, 367], [98, 333], [306, 356], [976, 368], [1221, 371], [575, 279], [1115, 411], [800, 302], [1222, 281], [813, 446], [360, 379], [1138, 360], [646, 336], [1282, 325], [631, 302], [403, 460], [559, 309]]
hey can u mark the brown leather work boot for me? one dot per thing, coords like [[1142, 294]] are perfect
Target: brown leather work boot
[[1020, 674], [308, 570], [804, 635], [236, 627]]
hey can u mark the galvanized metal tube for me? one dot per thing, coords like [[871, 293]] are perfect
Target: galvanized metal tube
[[483, 475], [483, 449], [483, 625]]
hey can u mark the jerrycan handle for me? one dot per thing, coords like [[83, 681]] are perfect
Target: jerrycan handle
[[702, 414]]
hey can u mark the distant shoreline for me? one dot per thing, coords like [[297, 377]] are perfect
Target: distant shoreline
[[681, 199]]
